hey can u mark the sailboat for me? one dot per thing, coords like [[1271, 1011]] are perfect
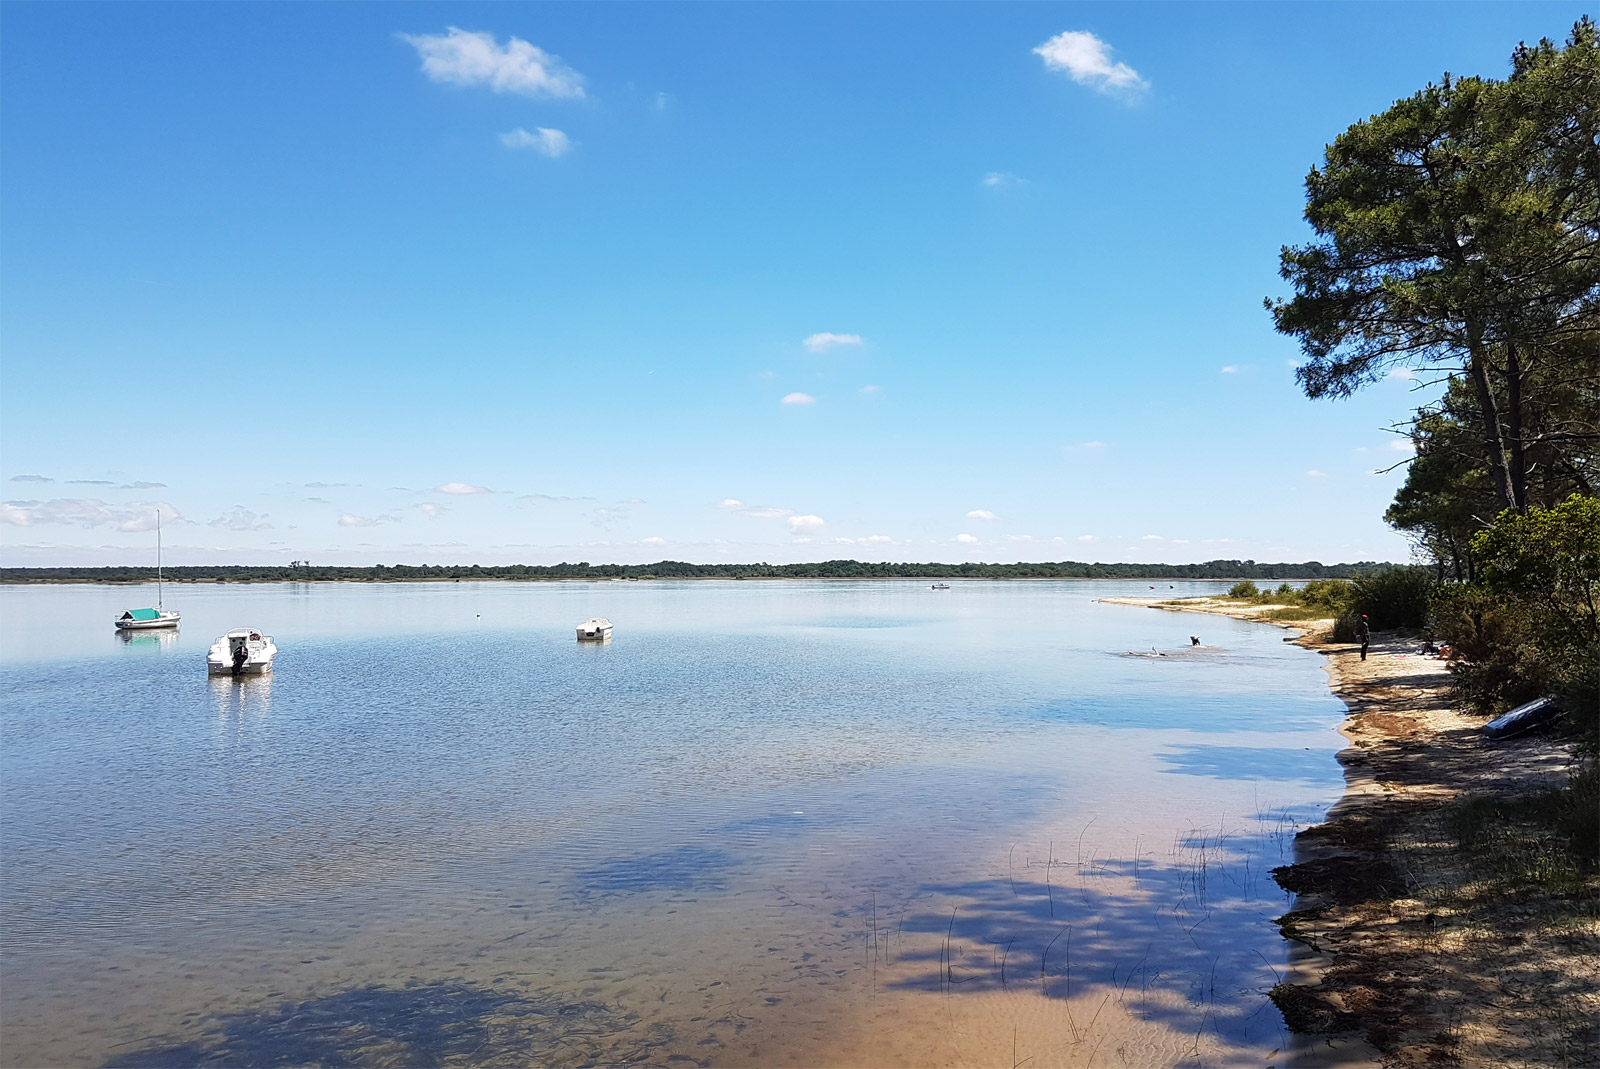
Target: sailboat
[[146, 619]]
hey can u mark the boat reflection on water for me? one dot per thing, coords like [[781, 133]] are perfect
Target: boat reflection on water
[[241, 699], [164, 638]]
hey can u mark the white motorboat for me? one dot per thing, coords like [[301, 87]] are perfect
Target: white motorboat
[[241, 652], [148, 619], [594, 629]]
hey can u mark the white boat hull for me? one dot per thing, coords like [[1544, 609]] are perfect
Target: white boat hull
[[259, 651], [258, 668], [594, 629], [167, 620]]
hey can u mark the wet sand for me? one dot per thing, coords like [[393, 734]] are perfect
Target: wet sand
[[1396, 948]]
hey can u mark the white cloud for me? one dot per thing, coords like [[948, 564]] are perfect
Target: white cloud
[[240, 518], [1152, 538], [1087, 60], [1403, 445], [798, 399], [462, 488], [730, 503], [767, 513], [1091, 445], [32, 479], [805, 523], [431, 510], [869, 389], [89, 512], [981, 514], [966, 539], [1315, 474], [1401, 373], [998, 179], [545, 141], [818, 342], [877, 540], [347, 520], [462, 58], [1231, 369], [653, 540], [1088, 538]]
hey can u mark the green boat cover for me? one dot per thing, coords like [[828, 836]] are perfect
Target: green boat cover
[[144, 614]]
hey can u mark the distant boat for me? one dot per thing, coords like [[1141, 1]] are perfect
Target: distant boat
[[241, 652], [941, 586], [146, 619], [594, 629]]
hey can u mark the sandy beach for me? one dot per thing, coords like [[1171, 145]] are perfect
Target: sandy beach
[[1412, 954]]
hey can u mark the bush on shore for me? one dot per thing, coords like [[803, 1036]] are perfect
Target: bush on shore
[[1530, 625]]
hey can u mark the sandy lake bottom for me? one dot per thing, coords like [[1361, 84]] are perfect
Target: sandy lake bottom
[[769, 823]]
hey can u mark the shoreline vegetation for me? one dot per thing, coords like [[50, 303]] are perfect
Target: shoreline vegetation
[[1446, 912], [1216, 570]]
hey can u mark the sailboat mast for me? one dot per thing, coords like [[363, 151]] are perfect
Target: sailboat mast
[[158, 560]]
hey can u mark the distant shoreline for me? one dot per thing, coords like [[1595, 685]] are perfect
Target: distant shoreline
[[1210, 571]]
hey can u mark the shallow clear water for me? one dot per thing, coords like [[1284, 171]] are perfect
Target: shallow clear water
[[787, 823]]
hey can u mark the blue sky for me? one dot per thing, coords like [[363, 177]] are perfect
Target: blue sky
[[363, 283]]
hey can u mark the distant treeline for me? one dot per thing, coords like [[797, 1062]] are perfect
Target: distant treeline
[[672, 569]]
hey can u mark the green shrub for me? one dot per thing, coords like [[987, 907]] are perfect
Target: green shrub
[[1345, 627], [1332, 595], [1245, 589], [1394, 597], [1529, 626]]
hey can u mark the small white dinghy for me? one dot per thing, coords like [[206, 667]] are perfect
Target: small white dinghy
[[594, 629], [241, 652]]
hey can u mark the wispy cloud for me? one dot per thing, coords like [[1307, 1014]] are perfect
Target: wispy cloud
[[1001, 179], [826, 340], [240, 518], [981, 514], [328, 486], [431, 510], [32, 479], [798, 399], [869, 389], [89, 512], [1231, 369], [462, 488], [1152, 538], [766, 512], [967, 540], [143, 486], [797, 524], [348, 520], [543, 140], [1403, 445], [653, 540], [730, 503], [1088, 538], [1087, 60], [458, 57], [550, 499], [1315, 474]]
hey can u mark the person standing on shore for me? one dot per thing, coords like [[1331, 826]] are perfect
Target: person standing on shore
[[1364, 633]]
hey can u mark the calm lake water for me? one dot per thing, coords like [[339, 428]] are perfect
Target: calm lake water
[[777, 823]]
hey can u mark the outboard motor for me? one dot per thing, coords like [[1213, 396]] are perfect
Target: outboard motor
[[241, 654]]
